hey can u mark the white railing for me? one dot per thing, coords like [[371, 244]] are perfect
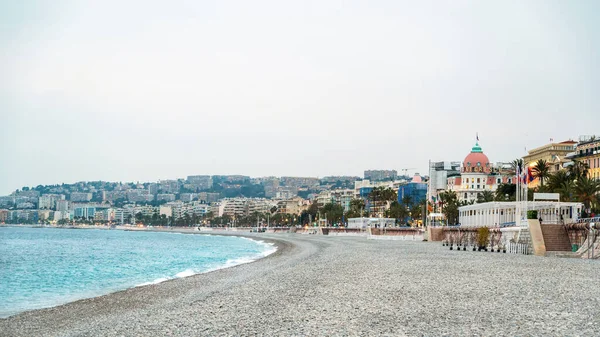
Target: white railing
[[518, 248]]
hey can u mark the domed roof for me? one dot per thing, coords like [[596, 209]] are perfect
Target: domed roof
[[417, 179], [476, 161]]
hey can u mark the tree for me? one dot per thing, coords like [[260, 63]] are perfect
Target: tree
[[398, 211], [506, 192], [381, 197], [485, 196], [407, 201], [586, 191], [333, 213], [416, 212], [515, 165], [357, 207], [557, 179], [541, 170], [450, 204], [578, 170]]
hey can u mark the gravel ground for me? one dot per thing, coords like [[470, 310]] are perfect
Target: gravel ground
[[320, 285]]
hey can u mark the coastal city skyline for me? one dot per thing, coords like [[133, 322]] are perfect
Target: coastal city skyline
[[270, 88], [8, 186], [308, 168]]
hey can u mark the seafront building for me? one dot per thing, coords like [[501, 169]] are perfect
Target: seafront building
[[587, 151], [555, 154], [340, 197], [438, 176], [503, 214], [477, 175], [416, 190], [293, 206]]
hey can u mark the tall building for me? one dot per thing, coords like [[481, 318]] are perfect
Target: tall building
[[378, 175], [80, 197], [165, 197], [85, 212], [588, 152], [62, 205], [416, 190], [439, 172], [48, 201], [208, 197], [200, 182], [271, 187]]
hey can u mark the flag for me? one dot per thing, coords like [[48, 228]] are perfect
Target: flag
[[477, 136], [527, 176]]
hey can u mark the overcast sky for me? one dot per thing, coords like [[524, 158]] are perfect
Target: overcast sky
[[145, 90]]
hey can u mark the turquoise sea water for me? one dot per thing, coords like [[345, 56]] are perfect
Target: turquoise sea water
[[45, 267]]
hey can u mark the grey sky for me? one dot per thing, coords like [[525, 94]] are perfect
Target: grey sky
[[142, 90]]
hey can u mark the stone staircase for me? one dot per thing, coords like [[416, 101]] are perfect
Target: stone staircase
[[556, 238]]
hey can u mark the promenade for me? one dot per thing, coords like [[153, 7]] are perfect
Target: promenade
[[321, 285]]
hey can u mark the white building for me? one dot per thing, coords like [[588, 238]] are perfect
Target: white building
[[48, 201], [370, 222], [477, 175], [80, 197], [165, 196], [62, 205], [438, 176], [502, 214]]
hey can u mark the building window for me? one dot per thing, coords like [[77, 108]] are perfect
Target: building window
[[498, 180], [478, 187], [465, 195], [478, 180]]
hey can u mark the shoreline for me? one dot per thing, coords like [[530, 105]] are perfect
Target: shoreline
[[320, 285], [276, 244]]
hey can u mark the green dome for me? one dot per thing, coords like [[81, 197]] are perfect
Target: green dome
[[476, 148]]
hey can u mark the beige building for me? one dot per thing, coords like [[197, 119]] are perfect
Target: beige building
[[292, 206], [588, 152], [554, 154]]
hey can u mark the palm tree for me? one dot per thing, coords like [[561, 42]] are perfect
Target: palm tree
[[557, 179], [407, 201], [566, 191], [381, 195], [485, 196], [586, 191], [578, 169], [516, 164], [541, 170], [505, 192]]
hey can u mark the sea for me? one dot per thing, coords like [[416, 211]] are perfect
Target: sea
[[46, 267]]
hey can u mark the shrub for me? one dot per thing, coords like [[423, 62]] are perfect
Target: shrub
[[483, 235], [532, 214]]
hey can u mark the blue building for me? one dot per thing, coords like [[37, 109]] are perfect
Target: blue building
[[417, 191], [85, 212], [365, 191]]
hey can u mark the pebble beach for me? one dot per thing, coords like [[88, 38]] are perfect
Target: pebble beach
[[348, 286]]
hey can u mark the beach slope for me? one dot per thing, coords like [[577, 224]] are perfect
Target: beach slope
[[319, 285]]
